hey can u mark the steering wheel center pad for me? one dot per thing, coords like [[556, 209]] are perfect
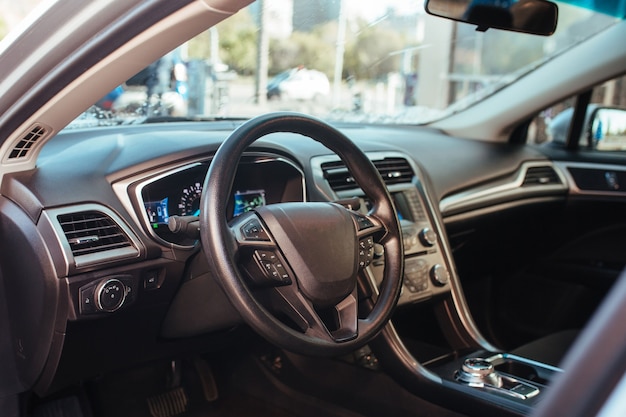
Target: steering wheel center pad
[[319, 242]]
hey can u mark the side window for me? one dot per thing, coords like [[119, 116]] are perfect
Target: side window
[[604, 128], [552, 124]]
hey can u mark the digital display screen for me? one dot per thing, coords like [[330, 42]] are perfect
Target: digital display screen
[[248, 200], [403, 208], [157, 211]]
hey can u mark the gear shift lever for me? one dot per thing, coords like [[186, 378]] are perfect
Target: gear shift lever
[[480, 373]]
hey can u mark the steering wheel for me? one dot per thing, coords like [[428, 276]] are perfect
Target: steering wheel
[[291, 269]]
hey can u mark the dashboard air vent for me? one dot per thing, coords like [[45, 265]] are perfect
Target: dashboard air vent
[[92, 231], [26, 143], [392, 170], [541, 175]]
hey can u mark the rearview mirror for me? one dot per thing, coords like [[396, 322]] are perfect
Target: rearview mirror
[[537, 17]]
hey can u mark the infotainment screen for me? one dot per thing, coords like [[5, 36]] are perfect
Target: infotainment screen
[[248, 200], [403, 207]]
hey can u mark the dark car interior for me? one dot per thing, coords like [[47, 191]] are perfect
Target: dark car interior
[[138, 313], [288, 266]]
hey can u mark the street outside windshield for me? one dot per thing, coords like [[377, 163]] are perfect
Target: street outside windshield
[[351, 60]]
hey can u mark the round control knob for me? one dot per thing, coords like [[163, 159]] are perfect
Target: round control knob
[[439, 274], [427, 236], [478, 372], [477, 367], [110, 295]]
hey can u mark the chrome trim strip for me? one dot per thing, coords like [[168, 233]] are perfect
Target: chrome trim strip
[[524, 360], [458, 297], [503, 189]]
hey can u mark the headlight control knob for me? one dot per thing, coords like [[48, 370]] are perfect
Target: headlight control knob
[[110, 295]]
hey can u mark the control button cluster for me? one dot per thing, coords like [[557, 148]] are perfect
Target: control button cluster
[[253, 230], [272, 267], [409, 240], [362, 222], [366, 251], [424, 238], [416, 275], [107, 295]]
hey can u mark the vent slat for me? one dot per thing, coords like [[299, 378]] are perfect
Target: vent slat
[[392, 171], [24, 145], [541, 176], [91, 232]]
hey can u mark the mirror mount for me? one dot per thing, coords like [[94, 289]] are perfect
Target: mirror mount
[[538, 17]]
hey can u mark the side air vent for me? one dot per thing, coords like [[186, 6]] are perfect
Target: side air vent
[[541, 175], [392, 170], [27, 142], [92, 231]]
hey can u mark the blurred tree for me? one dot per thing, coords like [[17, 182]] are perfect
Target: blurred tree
[[364, 51], [3, 28], [306, 49], [522, 51], [237, 41], [199, 47]]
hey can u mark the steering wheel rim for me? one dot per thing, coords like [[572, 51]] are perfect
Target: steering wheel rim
[[222, 251]]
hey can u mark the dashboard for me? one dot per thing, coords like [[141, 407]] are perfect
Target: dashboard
[[266, 178], [158, 279]]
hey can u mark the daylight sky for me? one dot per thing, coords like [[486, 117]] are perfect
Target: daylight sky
[[373, 9]]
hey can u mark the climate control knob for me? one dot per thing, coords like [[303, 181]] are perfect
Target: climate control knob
[[439, 275], [427, 236], [110, 295]]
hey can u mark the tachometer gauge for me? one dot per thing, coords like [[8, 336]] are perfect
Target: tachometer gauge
[[189, 204]]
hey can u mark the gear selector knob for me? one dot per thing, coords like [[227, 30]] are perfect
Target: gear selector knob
[[478, 372], [477, 366]]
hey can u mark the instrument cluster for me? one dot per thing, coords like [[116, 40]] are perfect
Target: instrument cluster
[[260, 180]]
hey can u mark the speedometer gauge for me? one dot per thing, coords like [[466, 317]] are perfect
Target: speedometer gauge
[[189, 203]]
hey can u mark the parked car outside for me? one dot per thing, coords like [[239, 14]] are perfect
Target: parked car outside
[[298, 84]]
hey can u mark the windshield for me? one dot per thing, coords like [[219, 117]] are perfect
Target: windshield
[[351, 60]]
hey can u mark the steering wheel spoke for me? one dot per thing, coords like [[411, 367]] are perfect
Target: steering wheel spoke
[[335, 324], [258, 253], [369, 230]]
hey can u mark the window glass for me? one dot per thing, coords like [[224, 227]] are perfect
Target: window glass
[[607, 116], [552, 124], [605, 121]]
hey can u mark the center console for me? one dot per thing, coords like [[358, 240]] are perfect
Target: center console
[[502, 375], [464, 369], [426, 272]]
